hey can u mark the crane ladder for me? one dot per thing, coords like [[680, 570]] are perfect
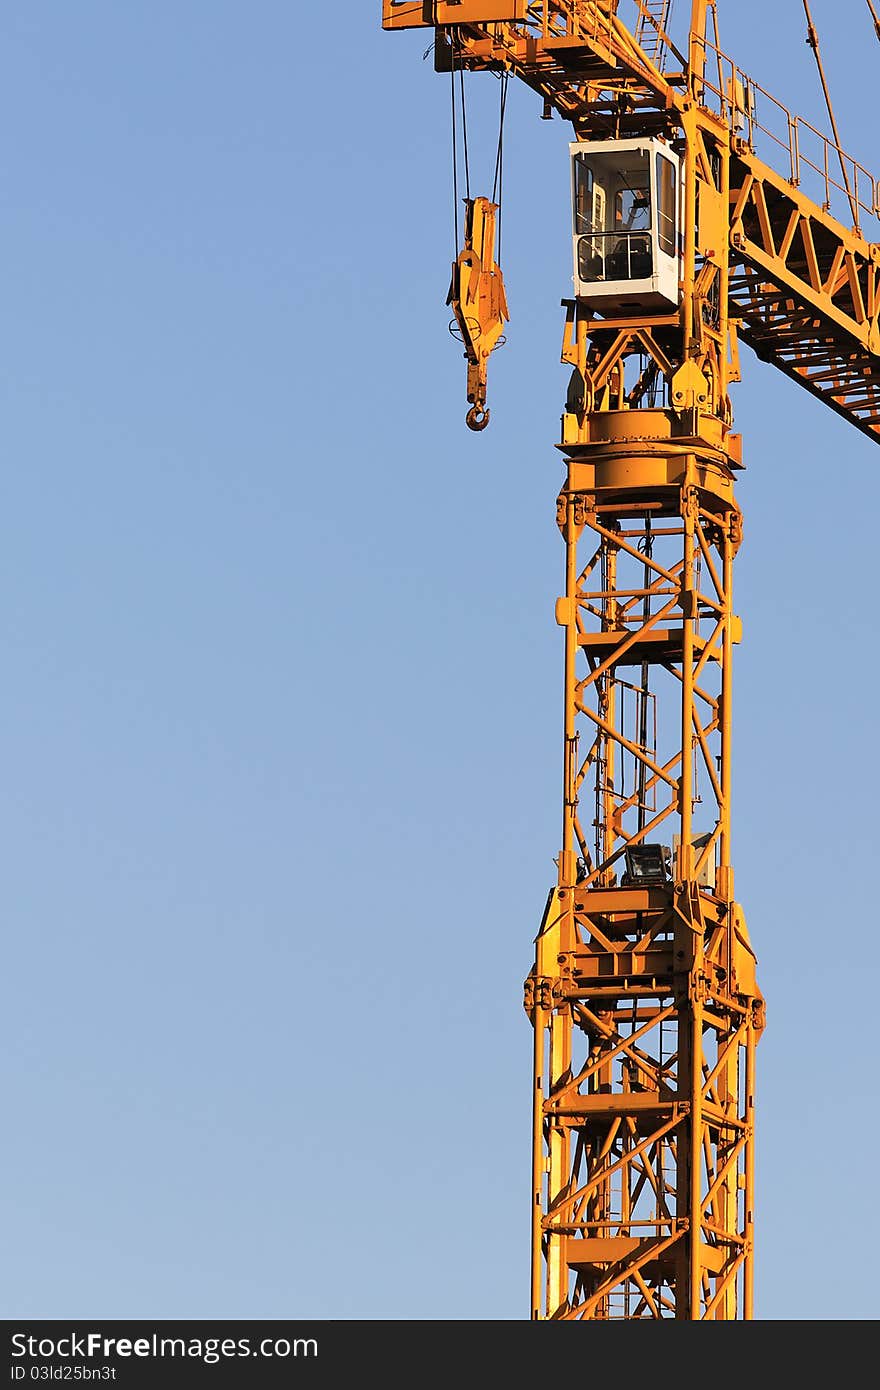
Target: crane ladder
[[651, 25]]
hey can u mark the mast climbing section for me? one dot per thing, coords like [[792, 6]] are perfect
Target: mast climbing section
[[643, 996]]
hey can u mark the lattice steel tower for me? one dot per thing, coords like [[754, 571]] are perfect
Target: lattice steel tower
[[643, 994]]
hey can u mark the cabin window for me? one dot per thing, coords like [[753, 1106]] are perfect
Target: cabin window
[[666, 219], [612, 216]]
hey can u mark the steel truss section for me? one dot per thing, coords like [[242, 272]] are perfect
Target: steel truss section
[[643, 995], [805, 292]]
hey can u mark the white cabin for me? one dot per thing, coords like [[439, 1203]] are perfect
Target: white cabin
[[626, 197]]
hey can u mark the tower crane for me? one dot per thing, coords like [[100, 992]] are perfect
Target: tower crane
[[643, 995]]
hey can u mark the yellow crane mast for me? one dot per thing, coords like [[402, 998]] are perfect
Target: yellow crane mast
[[643, 994]]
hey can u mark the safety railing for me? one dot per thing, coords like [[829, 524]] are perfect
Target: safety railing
[[811, 160], [573, 18], [568, 19]]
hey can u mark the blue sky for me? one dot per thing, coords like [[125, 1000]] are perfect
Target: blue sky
[[282, 686]]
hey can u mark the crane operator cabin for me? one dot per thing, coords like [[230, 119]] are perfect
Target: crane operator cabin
[[627, 244]]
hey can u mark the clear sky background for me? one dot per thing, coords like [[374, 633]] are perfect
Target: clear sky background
[[281, 704]]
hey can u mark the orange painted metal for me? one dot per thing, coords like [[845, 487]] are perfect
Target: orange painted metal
[[643, 994]]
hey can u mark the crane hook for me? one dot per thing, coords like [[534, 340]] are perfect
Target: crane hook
[[478, 302]]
